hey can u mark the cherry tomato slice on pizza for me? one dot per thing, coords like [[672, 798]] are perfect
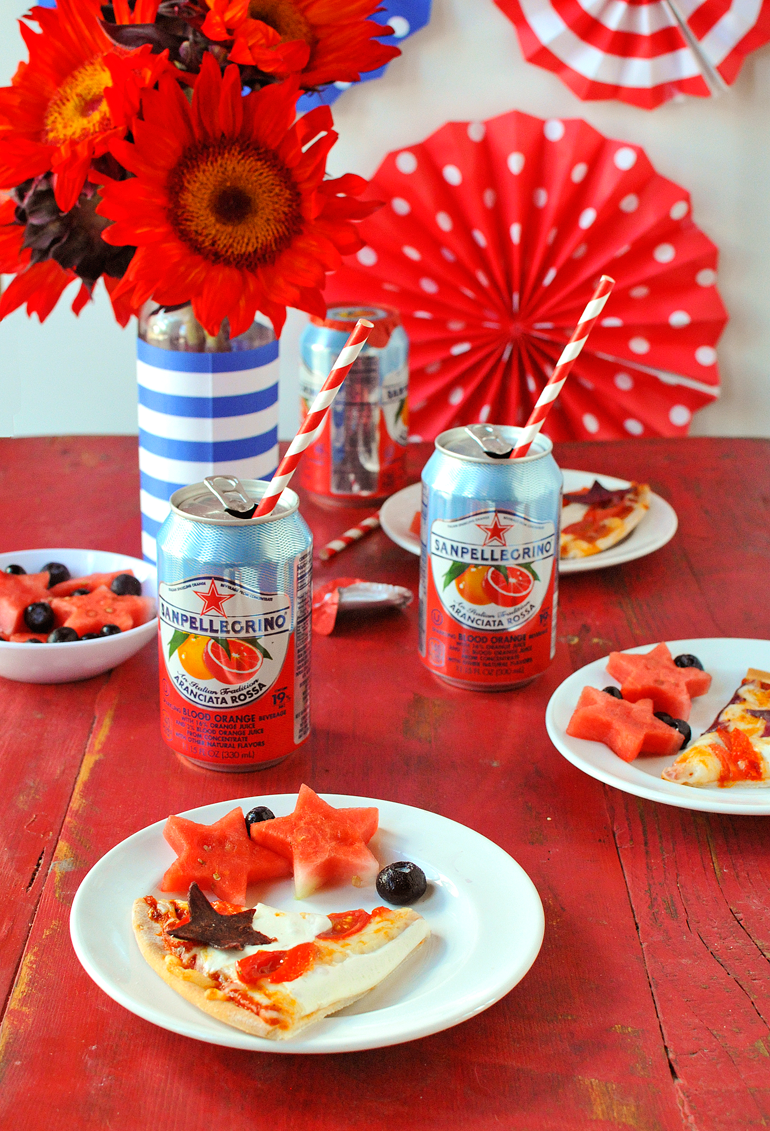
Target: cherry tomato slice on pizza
[[299, 959], [277, 965], [345, 924], [259, 965]]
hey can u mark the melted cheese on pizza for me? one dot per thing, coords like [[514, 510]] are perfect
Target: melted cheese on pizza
[[736, 747], [340, 969]]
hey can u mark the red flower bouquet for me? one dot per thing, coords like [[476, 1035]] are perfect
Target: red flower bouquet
[[152, 143]]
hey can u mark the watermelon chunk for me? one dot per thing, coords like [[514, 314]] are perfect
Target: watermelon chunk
[[219, 857], [654, 675], [23, 637], [326, 845], [16, 592], [92, 611], [90, 582], [629, 729]]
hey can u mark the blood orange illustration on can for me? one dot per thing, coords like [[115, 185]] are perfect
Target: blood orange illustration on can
[[234, 633], [488, 578]]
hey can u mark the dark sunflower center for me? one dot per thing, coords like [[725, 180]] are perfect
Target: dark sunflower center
[[78, 109], [234, 204], [285, 17]]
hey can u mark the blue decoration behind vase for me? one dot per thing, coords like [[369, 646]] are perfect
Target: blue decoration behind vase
[[202, 414], [405, 17]]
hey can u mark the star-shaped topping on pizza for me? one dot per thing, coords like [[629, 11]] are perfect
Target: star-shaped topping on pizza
[[220, 857], [212, 599], [226, 932], [324, 844], [495, 532]]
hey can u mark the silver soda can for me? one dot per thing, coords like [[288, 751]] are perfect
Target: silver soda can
[[360, 453], [234, 604], [489, 560]]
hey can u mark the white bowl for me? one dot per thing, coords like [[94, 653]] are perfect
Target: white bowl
[[65, 663]]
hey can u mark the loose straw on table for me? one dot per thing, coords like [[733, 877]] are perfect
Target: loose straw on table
[[314, 421], [360, 530], [563, 366]]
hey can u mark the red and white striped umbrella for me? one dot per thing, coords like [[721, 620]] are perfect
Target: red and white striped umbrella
[[640, 51], [492, 239]]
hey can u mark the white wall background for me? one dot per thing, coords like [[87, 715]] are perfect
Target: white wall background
[[77, 375]]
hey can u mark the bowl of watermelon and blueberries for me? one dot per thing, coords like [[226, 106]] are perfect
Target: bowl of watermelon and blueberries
[[67, 615]]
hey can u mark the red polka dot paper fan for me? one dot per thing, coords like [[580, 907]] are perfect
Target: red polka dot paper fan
[[491, 240]]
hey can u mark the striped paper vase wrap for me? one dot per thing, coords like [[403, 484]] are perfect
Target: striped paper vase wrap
[[202, 414]]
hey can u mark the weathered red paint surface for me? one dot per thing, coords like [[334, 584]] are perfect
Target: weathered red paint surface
[[656, 918]]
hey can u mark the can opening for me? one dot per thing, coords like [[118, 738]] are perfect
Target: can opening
[[236, 495], [231, 506], [464, 444]]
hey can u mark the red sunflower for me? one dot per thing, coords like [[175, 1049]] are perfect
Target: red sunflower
[[55, 115], [325, 40], [228, 206]]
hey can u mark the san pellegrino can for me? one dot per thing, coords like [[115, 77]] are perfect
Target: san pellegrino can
[[234, 604], [489, 562], [360, 452]]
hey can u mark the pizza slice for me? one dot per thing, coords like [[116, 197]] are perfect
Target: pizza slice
[[269, 972], [735, 750], [595, 518]]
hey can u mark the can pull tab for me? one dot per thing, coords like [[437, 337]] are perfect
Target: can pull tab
[[488, 440], [235, 488]]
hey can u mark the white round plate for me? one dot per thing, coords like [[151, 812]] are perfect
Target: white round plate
[[396, 515], [80, 659], [727, 660], [484, 913], [656, 528]]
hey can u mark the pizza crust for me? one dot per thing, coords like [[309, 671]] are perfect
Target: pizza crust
[[201, 991], [151, 945]]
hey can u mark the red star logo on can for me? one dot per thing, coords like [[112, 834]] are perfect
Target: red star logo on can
[[495, 532], [213, 600]]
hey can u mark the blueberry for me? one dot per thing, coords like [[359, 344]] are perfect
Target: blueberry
[[109, 630], [259, 813], [17, 569], [678, 724], [688, 661], [56, 573], [90, 636], [34, 640], [38, 617], [80, 592], [613, 691], [401, 883], [63, 635], [124, 585]]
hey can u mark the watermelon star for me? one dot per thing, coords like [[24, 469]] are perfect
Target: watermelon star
[[219, 857], [325, 845], [655, 676], [629, 729]]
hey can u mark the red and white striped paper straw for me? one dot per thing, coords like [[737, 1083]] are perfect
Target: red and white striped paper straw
[[360, 530], [314, 421], [563, 366]]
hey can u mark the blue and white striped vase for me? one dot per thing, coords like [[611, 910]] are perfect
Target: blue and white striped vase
[[207, 406]]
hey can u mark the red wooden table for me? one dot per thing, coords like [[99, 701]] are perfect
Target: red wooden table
[[649, 1005]]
